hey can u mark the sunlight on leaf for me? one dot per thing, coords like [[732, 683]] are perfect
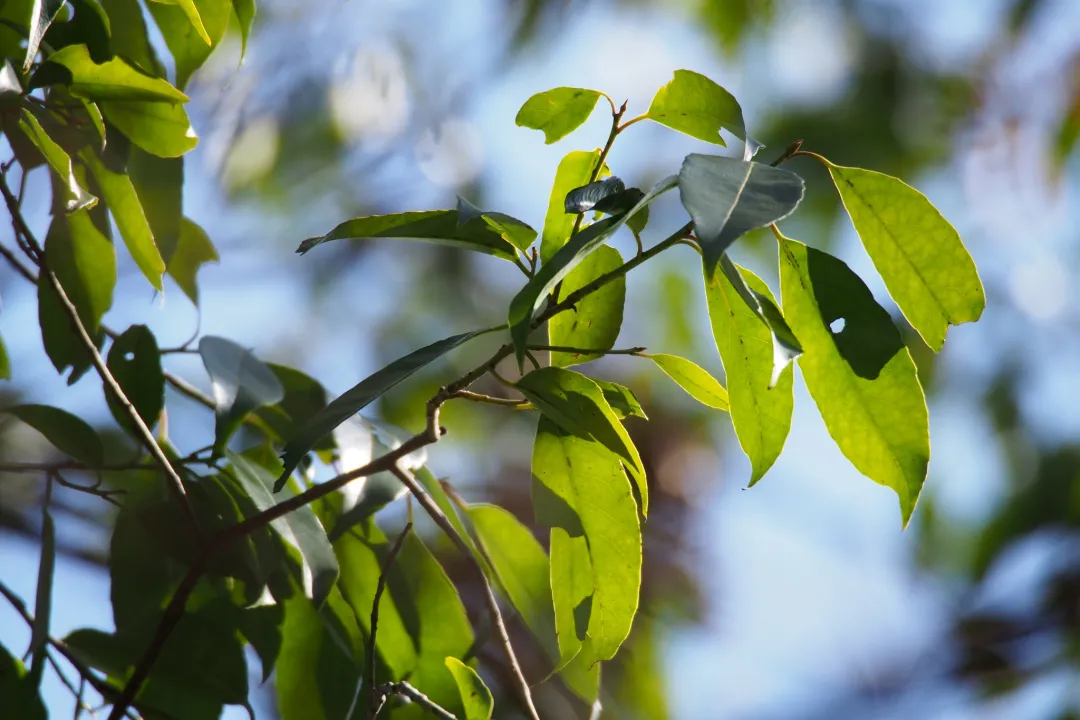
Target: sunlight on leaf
[[557, 112]]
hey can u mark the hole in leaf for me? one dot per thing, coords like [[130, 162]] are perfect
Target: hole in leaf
[[837, 326], [129, 356]]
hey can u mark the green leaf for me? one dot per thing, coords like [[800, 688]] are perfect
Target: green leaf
[[437, 226], [300, 528], [159, 128], [135, 362], [129, 38], [575, 170], [698, 383], [261, 627], [191, 42], [314, 678], [90, 27], [40, 18], [622, 399], [159, 183], [589, 197], [141, 576], [581, 491], [240, 383], [114, 80], [760, 407], [512, 230], [572, 584], [920, 256], [360, 396], [77, 198], [5, 362], [39, 639], [474, 693], [192, 252], [727, 198], [69, 433], [695, 105], [569, 256], [577, 405], [10, 87], [557, 112], [20, 694], [124, 205], [595, 322], [304, 396], [862, 378], [245, 15]]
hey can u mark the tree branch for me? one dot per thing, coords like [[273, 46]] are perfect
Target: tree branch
[[587, 351], [378, 698], [404, 688]]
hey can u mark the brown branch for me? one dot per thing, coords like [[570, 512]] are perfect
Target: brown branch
[[488, 399], [378, 698], [404, 688], [28, 467], [587, 351]]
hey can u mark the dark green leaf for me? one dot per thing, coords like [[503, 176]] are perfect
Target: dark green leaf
[[39, 638], [595, 322], [40, 18], [89, 27], [575, 170], [191, 42], [557, 112], [727, 198], [475, 695], [586, 197], [240, 382], [569, 256], [638, 222], [114, 80], [159, 183], [512, 230], [695, 105], [622, 400], [304, 396], [5, 362], [698, 383], [760, 408], [159, 128], [261, 627], [69, 433], [135, 362], [360, 396], [577, 405], [437, 226], [141, 576], [77, 198], [192, 252], [129, 37], [862, 378], [919, 254], [314, 678], [582, 493], [20, 695], [124, 205]]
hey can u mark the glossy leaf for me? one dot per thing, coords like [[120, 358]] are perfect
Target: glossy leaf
[[437, 226], [698, 383], [10, 87], [159, 128], [919, 254], [569, 256], [557, 112], [587, 197], [581, 491], [126, 209], [240, 383], [191, 43], [360, 396], [20, 694], [129, 38], [575, 170], [77, 197], [135, 362], [577, 405], [862, 378], [514, 231], [727, 198], [760, 408], [693, 104], [475, 695], [41, 16], [595, 322], [622, 399], [192, 252], [114, 80], [69, 433]]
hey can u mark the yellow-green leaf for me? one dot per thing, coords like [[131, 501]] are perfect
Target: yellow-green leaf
[[191, 12], [112, 80], [192, 252], [919, 254], [77, 198], [693, 104], [575, 170], [557, 112], [191, 43], [475, 695], [698, 383], [595, 322], [159, 128]]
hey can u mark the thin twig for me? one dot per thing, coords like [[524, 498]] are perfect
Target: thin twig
[[377, 701], [488, 399], [587, 351], [404, 688], [28, 467]]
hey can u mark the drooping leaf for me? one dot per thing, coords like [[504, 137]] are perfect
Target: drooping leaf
[[622, 400], [577, 405], [919, 254], [760, 408], [129, 38], [587, 197], [135, 362], [20, 694], [245, 15], [77, 197], [240, 382], [437, 226], [159, 128], [862, 378], [569, 256], [514, 231], [114, 80], [69, 433], [557, 112], [39, 636], [159, 183], [698, 383], [124, 205], [475, 695], [693, 104], [575, 170], [41, 16], [727, 198], [595, 322], [581, 491], [301, 528], [192, 252], [189, 42], [314, 678], [360, 396]]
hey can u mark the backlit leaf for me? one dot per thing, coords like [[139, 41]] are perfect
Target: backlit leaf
[[20, 694], [622, 400], [575, 170], [135, 362], [191, 10], [129, 38], [572, 590], [475, 695], [314, 678], [159, 183], [189, 42], [77, 197], [69, 433], [41, 16], [693, 104], [114, 80], [245, 14], [557, 112], [159, 128], [514, 231], [240, 382], [595, 322], [192, 252], [698, 383]]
